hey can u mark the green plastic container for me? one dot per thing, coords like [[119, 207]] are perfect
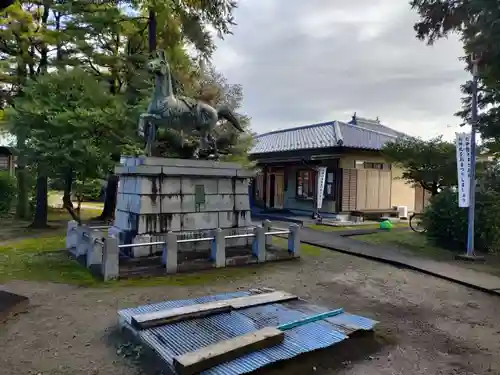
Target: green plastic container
[[385, 225]]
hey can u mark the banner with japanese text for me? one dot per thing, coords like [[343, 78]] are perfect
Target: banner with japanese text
[[463, 145], [321, 186]]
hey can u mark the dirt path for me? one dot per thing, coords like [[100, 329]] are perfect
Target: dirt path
[[428, 326]]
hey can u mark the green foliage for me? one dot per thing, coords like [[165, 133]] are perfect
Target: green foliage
[[429, 163], [446, 223], [106, 40], [7, 192], [109, 39], [89, 190], [476, 21], [70, 122]]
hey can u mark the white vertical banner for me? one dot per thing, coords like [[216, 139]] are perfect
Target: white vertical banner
[[463, 146], [320, 183]]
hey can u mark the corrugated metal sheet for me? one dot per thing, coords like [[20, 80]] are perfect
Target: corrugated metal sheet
[[370, 137], [178, 338]]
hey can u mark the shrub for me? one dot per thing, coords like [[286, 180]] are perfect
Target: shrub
[[89, 190], [7, 192], [446, 223]]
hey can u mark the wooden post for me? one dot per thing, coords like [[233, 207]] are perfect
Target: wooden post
[[218, 249], [110, 259], [259, 244], [171, 253], [294, 240]]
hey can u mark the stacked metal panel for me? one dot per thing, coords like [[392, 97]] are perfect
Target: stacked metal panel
[[175, 339]]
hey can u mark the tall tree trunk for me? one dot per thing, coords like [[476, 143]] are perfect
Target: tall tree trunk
[[434, 189], [22, 208], [68, 185], [67, 203], [108, 211], [42, 206], [152, 31], [112, 184]]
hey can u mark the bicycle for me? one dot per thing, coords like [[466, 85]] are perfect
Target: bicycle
[[416, 222]]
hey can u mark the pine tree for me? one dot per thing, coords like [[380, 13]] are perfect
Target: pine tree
[[476, 22]]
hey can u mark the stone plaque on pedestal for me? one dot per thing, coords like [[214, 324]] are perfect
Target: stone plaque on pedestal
[[158, 195]]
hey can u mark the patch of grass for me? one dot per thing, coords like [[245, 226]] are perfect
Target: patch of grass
[[305, 249], [13, 229], [411, 242], [417, 244], [228, 274], [329, 228], [41, 259]]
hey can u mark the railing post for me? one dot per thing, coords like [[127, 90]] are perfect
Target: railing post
[[294, 240], [82, 245], [218, 248], [267, 228], [94, 252], [171, 253], [110, 259], [142, 251], [259, 244], [71, 234]]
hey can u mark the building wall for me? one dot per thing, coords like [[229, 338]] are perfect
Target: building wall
[[375, 188], [361, 186], [291, 202], [421, 198], [403, 194]]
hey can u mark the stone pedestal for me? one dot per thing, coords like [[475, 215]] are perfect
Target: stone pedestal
[[190, 197]]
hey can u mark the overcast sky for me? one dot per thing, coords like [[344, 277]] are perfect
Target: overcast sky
[[302, 62]]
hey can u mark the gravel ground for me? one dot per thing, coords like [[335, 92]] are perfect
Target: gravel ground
[[428, 326]]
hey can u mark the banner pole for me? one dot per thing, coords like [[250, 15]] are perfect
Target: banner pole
[[472, 184]]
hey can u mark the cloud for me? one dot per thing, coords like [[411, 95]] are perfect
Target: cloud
[[319, 60]]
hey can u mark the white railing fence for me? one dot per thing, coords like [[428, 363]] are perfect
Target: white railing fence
[[103, 249]]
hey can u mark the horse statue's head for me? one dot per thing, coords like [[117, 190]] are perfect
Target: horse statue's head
[[159, 65]]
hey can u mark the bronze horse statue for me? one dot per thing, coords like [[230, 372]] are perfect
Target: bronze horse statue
[[179, 113]]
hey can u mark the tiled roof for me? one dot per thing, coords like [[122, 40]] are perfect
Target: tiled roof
[[374, 125], [304, 137], [370, 135]]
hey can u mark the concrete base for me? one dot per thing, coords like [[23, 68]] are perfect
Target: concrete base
[[469, 258], [148, 267], [161, 195]]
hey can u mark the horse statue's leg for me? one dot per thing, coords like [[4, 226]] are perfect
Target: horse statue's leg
[[213, 141], [204, 140], [151, 138]]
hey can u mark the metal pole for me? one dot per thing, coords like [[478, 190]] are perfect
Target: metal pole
[[472, 191]]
